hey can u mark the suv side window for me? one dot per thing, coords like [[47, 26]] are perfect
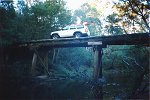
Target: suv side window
[[80, 26], [72, 27]]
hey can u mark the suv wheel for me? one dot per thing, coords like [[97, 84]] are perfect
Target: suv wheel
[[77, 35], [55, 36]]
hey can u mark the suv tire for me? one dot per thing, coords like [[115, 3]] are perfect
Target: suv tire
[[55, 36], [77, 35]]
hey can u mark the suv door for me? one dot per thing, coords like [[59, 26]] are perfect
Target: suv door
[[65, 31], [72, 30]]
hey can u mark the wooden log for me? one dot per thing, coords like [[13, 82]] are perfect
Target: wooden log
[[124, 39], [34, 62], [40, 57], [45, 58], [97, 75], [97, 62], [95, 43]]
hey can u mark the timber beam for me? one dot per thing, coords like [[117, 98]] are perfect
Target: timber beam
[[125, 39], [97, 73]]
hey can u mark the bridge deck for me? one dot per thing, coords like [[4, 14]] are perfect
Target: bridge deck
[[125, 39]]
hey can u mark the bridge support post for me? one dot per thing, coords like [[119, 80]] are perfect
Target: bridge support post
[[40, 58], [97, 75], [34, 64]]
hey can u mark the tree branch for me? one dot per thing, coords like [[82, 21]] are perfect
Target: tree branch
[[131, 5], [135, 62], [140, 25]]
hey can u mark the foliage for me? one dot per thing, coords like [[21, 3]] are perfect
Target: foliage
[[113, 18], [90, 15], [35, 22], [7, 16], [75, 63], [135, 11], [131, 63], [113, 27]]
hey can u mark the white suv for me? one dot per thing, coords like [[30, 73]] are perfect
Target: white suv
[[71, 31]]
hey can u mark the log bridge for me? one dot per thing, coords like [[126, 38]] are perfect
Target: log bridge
[[97, 42]]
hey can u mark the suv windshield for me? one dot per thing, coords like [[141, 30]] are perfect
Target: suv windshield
[[66, 28]]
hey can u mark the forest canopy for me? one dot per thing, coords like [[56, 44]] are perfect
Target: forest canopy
[[29, 21], [22, 22]]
